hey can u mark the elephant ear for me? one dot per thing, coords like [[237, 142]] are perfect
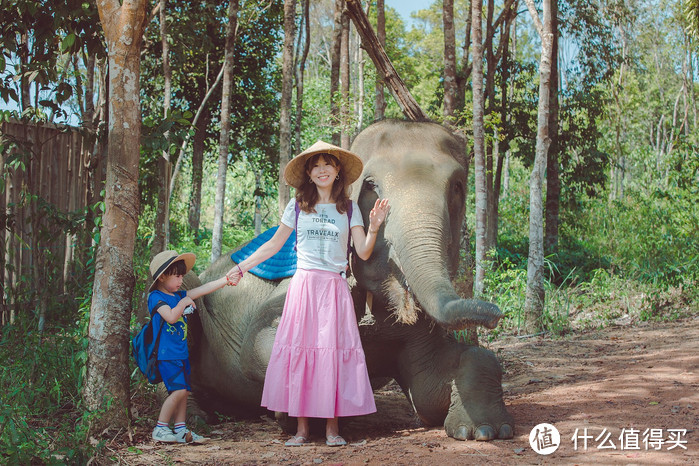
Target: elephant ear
[[367, 198], [195, 330]]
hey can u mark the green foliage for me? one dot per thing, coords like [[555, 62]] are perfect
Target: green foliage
[[201, 244], [628, 260], [197, 35], [37, 37], [40, 410], [650, 235]]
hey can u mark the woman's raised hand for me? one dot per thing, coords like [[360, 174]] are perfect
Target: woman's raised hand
[[378, 214]]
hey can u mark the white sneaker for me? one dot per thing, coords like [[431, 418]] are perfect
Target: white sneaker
[[187, 436], [164, 434]]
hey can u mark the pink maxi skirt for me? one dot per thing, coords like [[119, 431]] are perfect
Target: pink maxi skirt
[[317, 367]]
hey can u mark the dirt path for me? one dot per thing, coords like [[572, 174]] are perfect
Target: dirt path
[[618, 381]]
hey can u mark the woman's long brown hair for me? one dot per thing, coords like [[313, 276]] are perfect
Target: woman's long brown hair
[[307, 195]]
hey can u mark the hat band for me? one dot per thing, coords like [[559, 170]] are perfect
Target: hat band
[[163, 267]]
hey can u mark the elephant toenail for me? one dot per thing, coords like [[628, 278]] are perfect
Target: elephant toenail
[[484, 433], [506, 431], [461, 433]]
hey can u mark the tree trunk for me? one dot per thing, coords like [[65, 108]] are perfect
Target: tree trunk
[[161, 229], [106, 386], [231, 30], [24, 84], [490, 215], [300, 69], [335, 73], [464, 71], [494, 179], [359, 82], [506, 175], [96, 117], [285, 104], [384, 67], [202, 112], [450, 84], [345, 82], [194, 214], [479, 144], [380, 99], [553, 182], [534, 300]]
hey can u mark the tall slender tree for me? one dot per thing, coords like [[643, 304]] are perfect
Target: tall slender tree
[[285, 110], [345, 81], [380, 99], [451, 90], [553, 182], [231, 30], [161, 229], [335, 71], [300, 68], [535, 293], [106, 384], [194, 212], [479, 143]]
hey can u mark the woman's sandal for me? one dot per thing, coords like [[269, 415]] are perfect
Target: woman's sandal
[[335, 441], [296, 441]]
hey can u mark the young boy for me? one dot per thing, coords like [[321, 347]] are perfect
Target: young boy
[[167, 302]]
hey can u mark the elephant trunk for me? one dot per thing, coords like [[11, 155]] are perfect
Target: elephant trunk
[[422, 258]]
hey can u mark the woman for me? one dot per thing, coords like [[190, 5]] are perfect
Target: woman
[[317, 367]]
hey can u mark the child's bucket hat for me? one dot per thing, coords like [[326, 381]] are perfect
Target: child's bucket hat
[[164, 259], [295, 172]]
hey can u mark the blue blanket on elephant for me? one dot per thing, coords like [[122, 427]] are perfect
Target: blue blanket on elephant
[[280, 265]]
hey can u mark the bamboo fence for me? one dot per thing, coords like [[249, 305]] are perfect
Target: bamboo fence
[[50, 174]]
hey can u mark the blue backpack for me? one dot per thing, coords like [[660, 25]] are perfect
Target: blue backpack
[[144, 349]]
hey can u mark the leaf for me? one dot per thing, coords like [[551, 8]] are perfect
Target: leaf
[[67, 42], [32, 76]]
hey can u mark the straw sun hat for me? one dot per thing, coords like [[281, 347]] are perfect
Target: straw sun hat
[[164, 259], [295, 171]]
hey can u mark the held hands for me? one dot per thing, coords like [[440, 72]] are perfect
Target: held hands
[[234, 275], [378, 214]]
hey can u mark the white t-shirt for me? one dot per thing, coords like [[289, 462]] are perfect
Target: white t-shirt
[[321, 236]]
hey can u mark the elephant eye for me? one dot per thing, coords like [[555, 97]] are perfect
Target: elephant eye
[[457, 192], [458, 188]]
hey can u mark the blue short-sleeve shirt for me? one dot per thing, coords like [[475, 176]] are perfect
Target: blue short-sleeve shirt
[[173, 342]]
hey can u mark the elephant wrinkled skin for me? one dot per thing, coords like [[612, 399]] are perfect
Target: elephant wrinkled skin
[[403, 296]]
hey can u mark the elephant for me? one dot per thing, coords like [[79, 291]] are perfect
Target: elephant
[[404, 299]]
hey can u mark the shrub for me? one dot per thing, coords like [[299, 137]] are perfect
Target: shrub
[[40, 410]]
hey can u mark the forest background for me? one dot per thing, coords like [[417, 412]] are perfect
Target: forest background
[[621, 222]]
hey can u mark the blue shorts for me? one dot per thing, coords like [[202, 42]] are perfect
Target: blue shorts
[[176, 374]]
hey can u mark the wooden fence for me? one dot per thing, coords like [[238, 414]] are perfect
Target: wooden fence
[[50, 175]]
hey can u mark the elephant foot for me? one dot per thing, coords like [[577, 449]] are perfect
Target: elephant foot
[[477, 410], [482, 433]]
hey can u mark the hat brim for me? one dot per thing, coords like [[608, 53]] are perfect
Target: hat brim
[[188, 258], [295, 172]]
